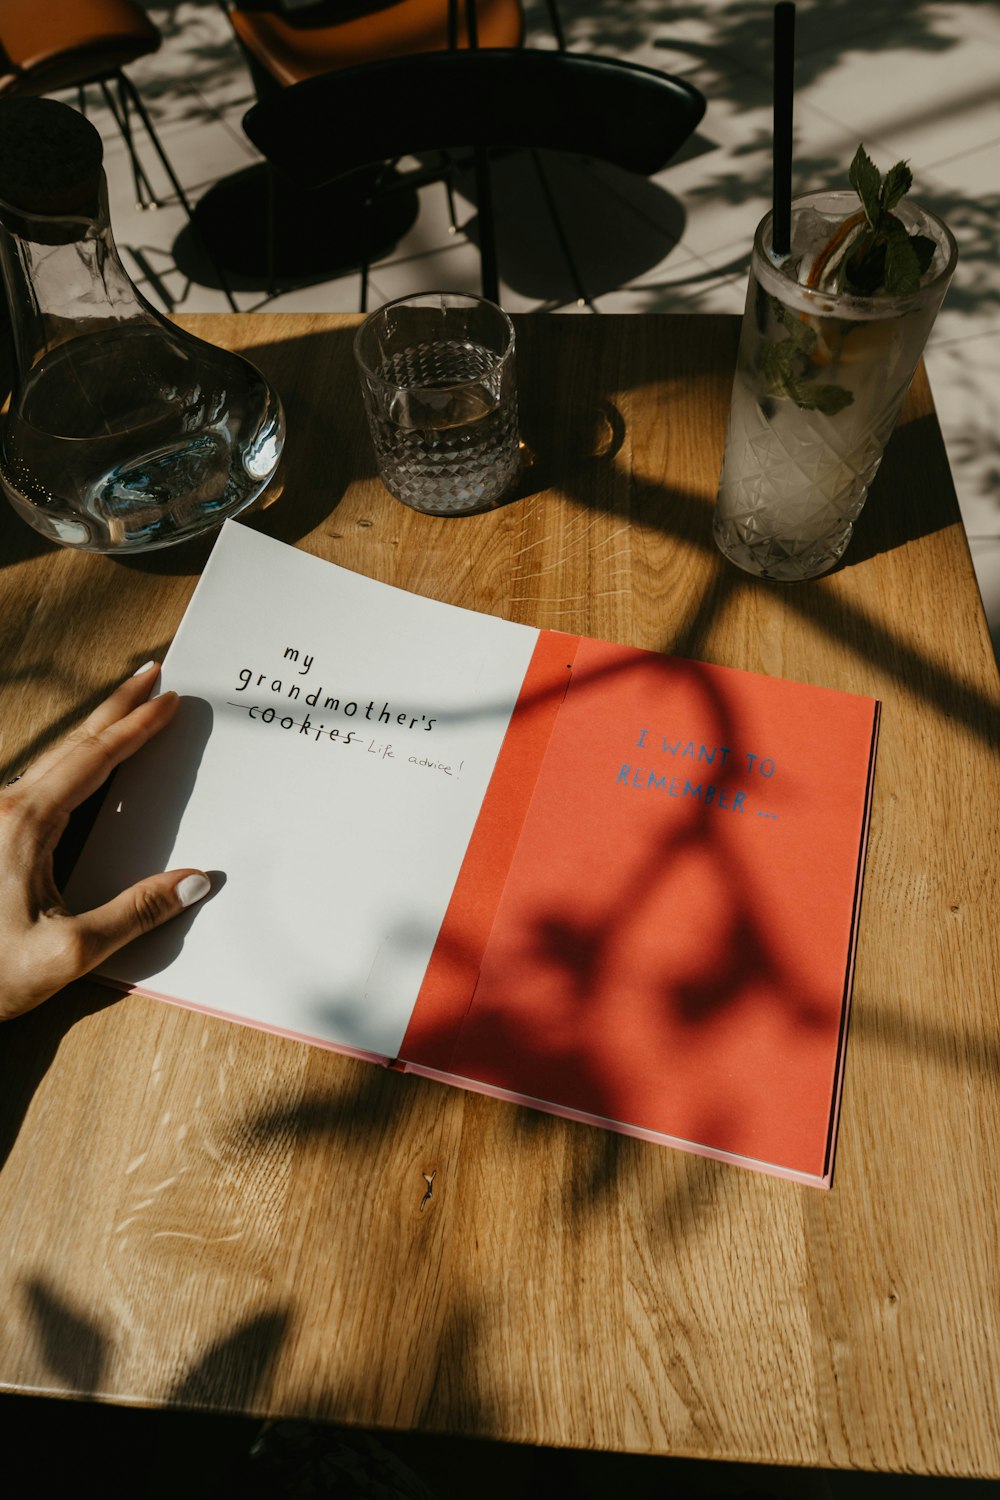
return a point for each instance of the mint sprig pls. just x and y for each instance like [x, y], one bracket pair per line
[868, 255]
[785, 365]
[885, 257]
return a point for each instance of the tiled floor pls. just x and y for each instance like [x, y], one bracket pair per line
[914, 78]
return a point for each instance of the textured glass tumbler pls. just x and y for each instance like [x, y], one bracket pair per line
[437, 374]
[820, 379]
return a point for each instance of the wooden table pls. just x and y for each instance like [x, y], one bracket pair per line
[195, 1213]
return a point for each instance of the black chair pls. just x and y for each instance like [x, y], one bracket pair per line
[341, 124]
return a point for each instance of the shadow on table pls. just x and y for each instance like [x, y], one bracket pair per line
[80, 1354]
[357, 1101]
[29, 1046]
[895, 512]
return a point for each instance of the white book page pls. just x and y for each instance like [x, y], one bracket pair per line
[327, 765]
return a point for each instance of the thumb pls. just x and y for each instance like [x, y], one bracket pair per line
[141, 908]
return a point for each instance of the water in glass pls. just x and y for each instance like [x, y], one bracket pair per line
[447, 439]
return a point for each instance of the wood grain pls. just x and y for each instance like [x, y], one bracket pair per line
[194, 1213]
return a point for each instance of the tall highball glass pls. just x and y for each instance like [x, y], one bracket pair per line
[820, 379]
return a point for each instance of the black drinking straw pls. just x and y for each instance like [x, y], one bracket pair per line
[784, 69]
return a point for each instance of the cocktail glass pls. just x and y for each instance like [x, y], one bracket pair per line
[820, 379]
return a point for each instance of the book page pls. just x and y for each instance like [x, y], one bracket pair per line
[673, 948]
[335, 740]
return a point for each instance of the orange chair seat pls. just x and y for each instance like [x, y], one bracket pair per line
[53, 44]
[318, 39]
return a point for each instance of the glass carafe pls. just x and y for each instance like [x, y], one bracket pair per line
[123, 433]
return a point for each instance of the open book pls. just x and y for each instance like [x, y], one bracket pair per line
[607, 883]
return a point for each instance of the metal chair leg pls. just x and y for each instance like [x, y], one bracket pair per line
[135, 99]
[447, 177]
[366, 232]
[487, 231]
[555, 21]
[270, 234]
[581, 295]
[144, 195]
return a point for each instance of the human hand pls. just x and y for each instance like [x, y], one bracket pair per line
[43, 946]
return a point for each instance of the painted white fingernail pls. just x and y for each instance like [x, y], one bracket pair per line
[139, 670]
[192, 888]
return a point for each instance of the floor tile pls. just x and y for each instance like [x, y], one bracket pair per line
[339, 295]
[974, 174]
[198, 72]
[986, 557]
[201, 150]
[973, 215]
[672, 38]
[431, 248]
[717, 34]
[978, 18]
[614, 227]
[173, 279]
[965, 379]
[199, 44]
[690, 286]
[452, 268]
[927, 106]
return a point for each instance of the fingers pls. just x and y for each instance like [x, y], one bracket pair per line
[89, 939]
[127, 696]
[69, 773]
[43, 947]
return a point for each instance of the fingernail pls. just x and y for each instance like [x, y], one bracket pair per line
[139, 670]
[192, 888]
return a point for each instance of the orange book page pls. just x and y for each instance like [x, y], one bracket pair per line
[672, 949]
[453, 971]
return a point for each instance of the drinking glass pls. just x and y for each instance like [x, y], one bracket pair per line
[820, 379]
[437, 375]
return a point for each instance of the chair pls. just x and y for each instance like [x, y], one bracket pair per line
[50, 45]
[631, 116]
[285, 45]
[285, 42]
